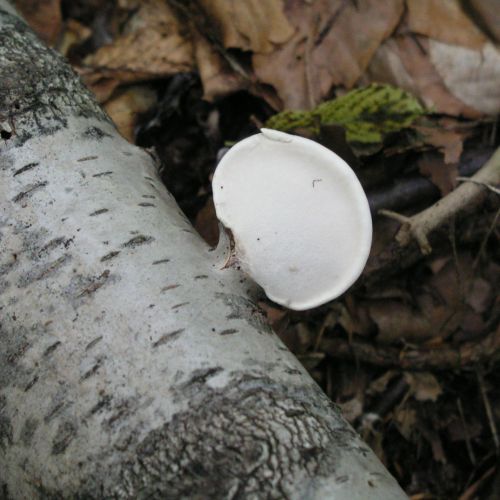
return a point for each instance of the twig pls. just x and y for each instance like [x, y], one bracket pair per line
[470, 451]
[468, 353]
[479, 183]
[487, 407]
[466, 196]
[470, 492]
[485, 240]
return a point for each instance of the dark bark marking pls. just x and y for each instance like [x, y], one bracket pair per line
[202, 375]
[169, 287]
[149, 178]
[99, 212]
[101, 174]
[293, 371]
[182, 304]
[28, 191]
[38, 90]
[201, 277]
[92, 343]
[44, 271]
[146, 204]
[92, 371]
[65, 434]
[229, 331]
[6, 432]
[110, 255]
[51, 348]
[28, 430]
[149, 196]
[162, 261]
[137, 241]
[52, 245]
[250, 438]
[102, 404]
[57, 407]
[87, 158]
[123, 409]
[27, 167]
[95, 133]
[31, 383]
[243, 308]
[13, 357]
[95, 284]
[168, 337]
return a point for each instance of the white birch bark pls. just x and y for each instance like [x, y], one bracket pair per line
[131, 366]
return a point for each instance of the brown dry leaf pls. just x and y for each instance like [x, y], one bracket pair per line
[404, 61]
[74, 33]
[442, 136]
[433, 438]
[207, 223]
[125, 107]
[351, 409]
[406, 420]
[380, 384]
[398, 321]
[329, 47]
[458, 432]
[424, 386]
[473, 76]
[250, 25]
[153, 46]
[444, 20]
[217, 77]
[486, 15]
[44, 16]
[442, 174]
[480, 295]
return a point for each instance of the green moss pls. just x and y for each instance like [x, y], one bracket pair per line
[368, 114]
[293, 120]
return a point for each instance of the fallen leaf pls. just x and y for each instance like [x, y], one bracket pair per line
[152, 45]
[486, 16]
[207, 223]
[480, 295]
[250, 25]
[406, 419]
[125, 108]
[399, 322]
[473, 76]
[328, 48]
[74, 34]
[380, 384]
[444, 137]
[217, 77]
[351, 409]
[404, 61]
[444, 20]
[44, 16]
[424, 386]
[442, 174]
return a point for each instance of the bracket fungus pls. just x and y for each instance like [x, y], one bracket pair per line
[297, 216]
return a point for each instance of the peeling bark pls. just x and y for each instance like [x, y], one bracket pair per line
[131, 365]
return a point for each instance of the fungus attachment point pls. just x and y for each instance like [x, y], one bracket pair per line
[298, 215]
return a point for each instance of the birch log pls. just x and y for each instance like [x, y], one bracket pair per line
[131, 365]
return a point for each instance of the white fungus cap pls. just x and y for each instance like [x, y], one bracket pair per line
[298, 215]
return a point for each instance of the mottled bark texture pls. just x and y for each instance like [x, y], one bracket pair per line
[131, 365]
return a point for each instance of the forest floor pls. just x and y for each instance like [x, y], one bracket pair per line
[411, 353]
